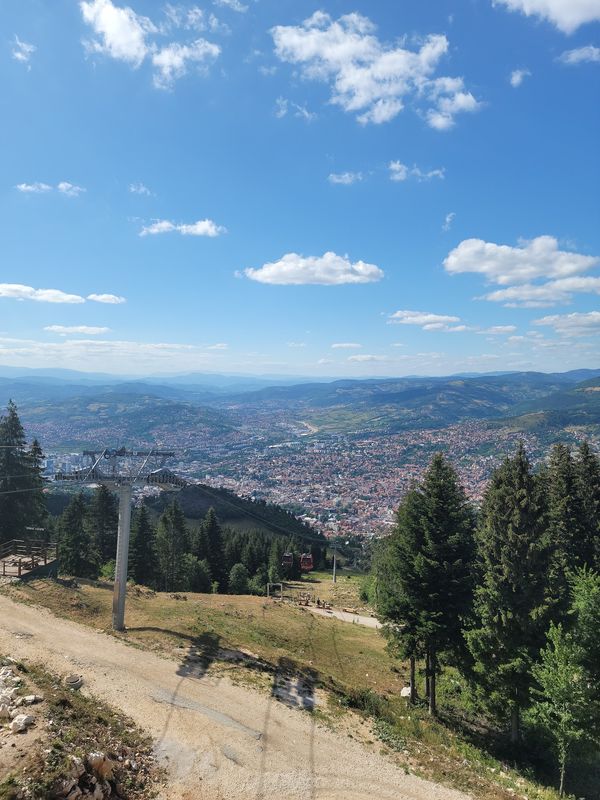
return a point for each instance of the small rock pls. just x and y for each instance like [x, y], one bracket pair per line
[21, 723]
[77, 767]
[101, 765]
[4, 711]
[74, 793]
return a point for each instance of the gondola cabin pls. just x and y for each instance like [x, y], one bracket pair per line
[287, 560]
[306, 562]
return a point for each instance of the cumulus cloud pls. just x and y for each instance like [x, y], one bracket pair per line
[120, 32]
[110, 299]
[203, 227]
[427, 321]
[171, 62]
[368, 77]
[22, 51]
[66, 330]
[346, 346]
[33, 188]
[503, 264]
[345, 178]
[124, 35]
[576, 324]
[517, 76]
[400, 172]
[542, 295]
[326, 270]
[581, 55]
[498, 330]
[64, 187]
[18, 291]
[566, 15]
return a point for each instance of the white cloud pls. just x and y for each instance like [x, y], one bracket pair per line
[65, 330]
[530, 295]
[517, 76]
[218, 346]
[498, 330]
[110, 299]
[346, 346]
[427, 321]
[283, 106]
[234, 5]
[362, 359]
[171, 62]
[33, 188]
[326, 270]
[18, 291]
[121, 32]
[296, 344]
[139, 188]
[22, 51]
[203, 227]
[448, 220]
[576, 324]
[581, 55]
[400, 172]
[345, 178]
[566, 15]
[368, 77]
[64, 187]
[503, 264]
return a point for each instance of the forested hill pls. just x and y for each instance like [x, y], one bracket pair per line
[233, 511]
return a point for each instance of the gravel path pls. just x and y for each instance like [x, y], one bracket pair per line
[221, 741]
[345, 616]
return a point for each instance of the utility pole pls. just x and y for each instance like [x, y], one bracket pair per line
[123, 481]
[334, 562]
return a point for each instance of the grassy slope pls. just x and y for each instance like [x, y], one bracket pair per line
[348, 661]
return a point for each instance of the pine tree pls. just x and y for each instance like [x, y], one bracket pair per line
[103, 518]
[565, 526]
[216, 553]
[143, 567]
[15, 477]
[425, 577]
[171, 546]
[37, 511]
[587, 470]
[564, 697]
[197, 572]
[76, 551]
[511, 610]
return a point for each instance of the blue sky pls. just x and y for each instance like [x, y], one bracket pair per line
[283, 186]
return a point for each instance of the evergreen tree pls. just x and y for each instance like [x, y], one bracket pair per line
[199, 543]
[142, 550]
[565, 526]
[238, 579]
[275, 558]
[425, 582]
[102, 520]
[37, 511]
[564, 700]
[171, 546]
[216, 554]
[587, 469]
[585, 623]
[511, 611]
[77, 555]
[15, 477]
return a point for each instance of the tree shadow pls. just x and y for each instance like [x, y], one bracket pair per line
[294, 686]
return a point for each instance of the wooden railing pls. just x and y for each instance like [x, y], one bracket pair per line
[22, 555]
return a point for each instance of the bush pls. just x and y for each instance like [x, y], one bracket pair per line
[238, 580]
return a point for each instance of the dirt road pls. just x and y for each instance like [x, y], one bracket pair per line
[345, 616]
[221, 741]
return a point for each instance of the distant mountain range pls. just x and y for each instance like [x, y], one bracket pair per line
[71, 409]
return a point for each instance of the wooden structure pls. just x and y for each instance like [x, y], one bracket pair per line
[27, 558]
